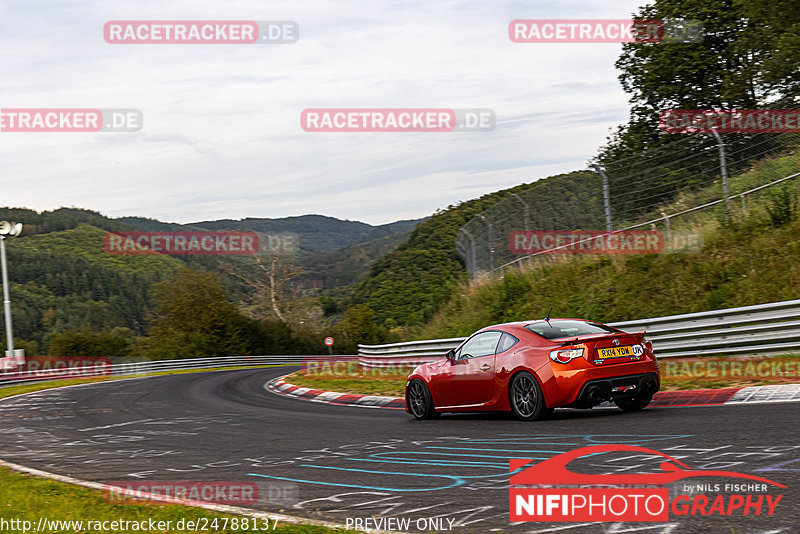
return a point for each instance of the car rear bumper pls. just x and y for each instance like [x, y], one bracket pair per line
[596, 391]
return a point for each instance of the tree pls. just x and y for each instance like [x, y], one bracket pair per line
[747, 58]
[773, 36]
[193, 318]
[269, 280]
[99, 344]
[359, 328]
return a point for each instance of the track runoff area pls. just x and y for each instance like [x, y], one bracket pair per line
[223, 440]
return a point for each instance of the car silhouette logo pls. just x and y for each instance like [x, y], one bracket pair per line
[615, 342]
[553, 471]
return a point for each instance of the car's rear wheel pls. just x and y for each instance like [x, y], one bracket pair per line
[634, 404]
[420, 402]
[527, 401]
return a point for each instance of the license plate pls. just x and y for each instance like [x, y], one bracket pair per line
[615, 352]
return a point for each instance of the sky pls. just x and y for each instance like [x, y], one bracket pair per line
[222, 137]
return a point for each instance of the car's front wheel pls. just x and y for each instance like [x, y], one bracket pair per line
[527, 401]
[634, 404]
[419, 400]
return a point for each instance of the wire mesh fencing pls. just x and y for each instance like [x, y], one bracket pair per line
[655, 185]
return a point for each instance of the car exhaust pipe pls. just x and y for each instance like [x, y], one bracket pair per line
[595, 395]
[649, 386]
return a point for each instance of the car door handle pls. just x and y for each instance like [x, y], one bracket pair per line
[486, 367]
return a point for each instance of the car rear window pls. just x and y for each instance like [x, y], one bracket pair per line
[561, 328]
[506, 342]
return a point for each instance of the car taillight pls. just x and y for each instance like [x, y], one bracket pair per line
[565, 355]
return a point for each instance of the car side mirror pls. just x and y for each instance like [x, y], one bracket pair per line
[451, 354]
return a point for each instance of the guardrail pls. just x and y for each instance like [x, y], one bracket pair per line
[153, 366]
[761, 329]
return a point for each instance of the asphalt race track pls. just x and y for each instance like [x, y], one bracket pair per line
[334, 462]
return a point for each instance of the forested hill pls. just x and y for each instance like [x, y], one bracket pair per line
[407, 285]
[316, 233]
[63, 281]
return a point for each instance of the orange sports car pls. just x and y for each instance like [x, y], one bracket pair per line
[532, 367]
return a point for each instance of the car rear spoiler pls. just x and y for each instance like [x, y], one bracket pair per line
[610, 335]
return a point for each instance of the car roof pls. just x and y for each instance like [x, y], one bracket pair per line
[523, 324]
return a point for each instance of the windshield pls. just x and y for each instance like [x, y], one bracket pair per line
[556, 329]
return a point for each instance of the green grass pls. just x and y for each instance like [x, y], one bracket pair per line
[748, 260]
[764, 171]
[717, 372]
[28, 498]
[388, 384]
[676, 374]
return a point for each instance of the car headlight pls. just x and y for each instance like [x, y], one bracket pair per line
[565, 355]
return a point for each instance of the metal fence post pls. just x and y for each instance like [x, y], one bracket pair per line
[463, 251]
[526, 211]
[471, 256]
[606, 197]
[723, 169]
[491, 240]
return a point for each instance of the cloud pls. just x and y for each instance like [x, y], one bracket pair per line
[222, 135]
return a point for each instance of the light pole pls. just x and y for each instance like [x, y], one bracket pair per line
[7, 229]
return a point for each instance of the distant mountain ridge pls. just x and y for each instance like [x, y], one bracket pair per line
[62, 279]
[316, 233]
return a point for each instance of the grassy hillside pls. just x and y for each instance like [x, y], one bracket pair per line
[424, 279]
[63, 281]
[752, 260]
[85, 242]
[316, 233]
[408, 285]
[348, 265]
[58, 220]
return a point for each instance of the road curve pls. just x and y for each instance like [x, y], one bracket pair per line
[334, 462]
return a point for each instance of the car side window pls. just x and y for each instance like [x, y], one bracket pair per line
[482, 344]
[506, 342]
